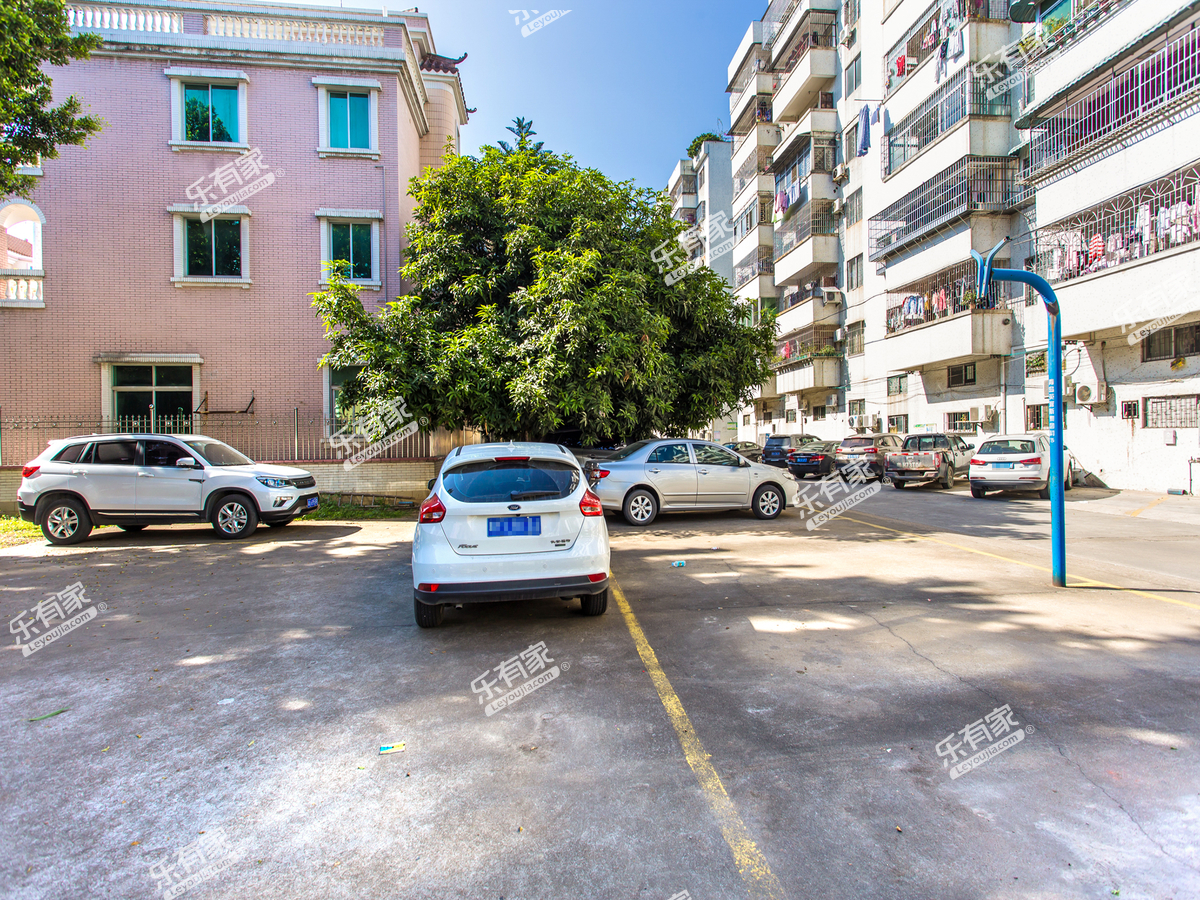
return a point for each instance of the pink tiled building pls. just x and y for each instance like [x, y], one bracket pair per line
[165, 270]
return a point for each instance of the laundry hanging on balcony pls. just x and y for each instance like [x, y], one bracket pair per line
[864, 130]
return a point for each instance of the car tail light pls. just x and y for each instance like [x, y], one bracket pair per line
[589, 504]
[819, 457]
[512, 459]
[432, 588]
[979, 462]
[1032, 461]
[29, 471]
[432, 511]
[870, 450]
[600, 473]
[599, 576]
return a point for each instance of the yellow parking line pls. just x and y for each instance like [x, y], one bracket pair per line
[1082, 582]
[756, 873]
[1150, 505]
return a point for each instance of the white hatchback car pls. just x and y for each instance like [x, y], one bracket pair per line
[1015, 462]
[135, 480]
[512, 521]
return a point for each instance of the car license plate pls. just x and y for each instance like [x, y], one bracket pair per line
[801, 459]
[312, 502]
[1003, 465]
[515, 526]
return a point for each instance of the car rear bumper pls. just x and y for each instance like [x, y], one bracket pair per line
[807, 469]
[26, 512]
[503, 591]
[873, 466]
[992, 485]
[778, 463]
[914, 474]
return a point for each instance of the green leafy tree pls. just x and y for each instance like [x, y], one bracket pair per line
[694, 146]
[537, 306]
[524, 131]
[33, 32]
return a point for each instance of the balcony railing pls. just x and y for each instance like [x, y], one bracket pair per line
[318, 31]
[1157, 216]
[814, 217]
[1064, 24]
[757, 163]
[944, 294]
[122, 18]
[974, 184]
[759, 262]
[962, 96]
[21, 285]
[1156, 88]
[819, 31]
[776, 16]
[925, 36]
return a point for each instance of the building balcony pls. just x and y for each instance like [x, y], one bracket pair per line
[814, 373]
[807, 309]
[21, 287]
[760, 237]
[816, 121]
[765, 391]
[964, 337]
[1063, 26]
[759, 83]
[761, 287]
[759, 261]
[764, 135]
[1121, 109]
[809, 75]
[974, 184]
[805, 242]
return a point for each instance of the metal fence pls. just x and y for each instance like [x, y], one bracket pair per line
[819, 29]
[1157, 216]
[973, 184]
[759, 262]
[286, 439]
[757, 163]
[814, 217]
[944, 294]
[1154, 89]
[962, 96]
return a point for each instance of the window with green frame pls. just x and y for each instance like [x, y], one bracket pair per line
[161, 392]
[214, 248]
[210, 113]
[350, 242]
[349, 120]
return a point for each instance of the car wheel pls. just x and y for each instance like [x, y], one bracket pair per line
[66, 521]
[279, 524]
[897, 484]
[131, 527]
[640, 507]
[234, 516]
[594, 604]
[428, 615]
[1044, 493]
[1069, 479]
[768, 502]
[948, 478]
[978, 493]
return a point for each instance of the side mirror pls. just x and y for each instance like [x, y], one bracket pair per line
[185, 462]
[970, 446]
[745, 464]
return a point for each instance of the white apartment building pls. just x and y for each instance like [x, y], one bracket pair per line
[701, 192]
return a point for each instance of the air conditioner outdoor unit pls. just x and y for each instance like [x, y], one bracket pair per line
[874, 421]
[854, 421]
[840, 334]
[805, 408]
[838, 207]
[848, 37]
[831, 401]
[1088, 394]
[841, 173]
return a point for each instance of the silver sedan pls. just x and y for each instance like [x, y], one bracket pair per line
[672, 475]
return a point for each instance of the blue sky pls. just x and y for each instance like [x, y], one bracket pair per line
[622, 86]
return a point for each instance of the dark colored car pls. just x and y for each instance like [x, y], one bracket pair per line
[869, 448]
[778, 445]
[812, 459]
[748, 449]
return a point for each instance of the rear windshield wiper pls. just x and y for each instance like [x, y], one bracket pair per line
[532, 495]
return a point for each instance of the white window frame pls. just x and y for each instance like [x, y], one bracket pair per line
[353, 85]
[180, 212]
[220, 77]
[329, 217]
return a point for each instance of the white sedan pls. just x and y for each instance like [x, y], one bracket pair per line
[1015, 462]
[512, 521]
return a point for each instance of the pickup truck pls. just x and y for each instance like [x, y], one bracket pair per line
[929, 457]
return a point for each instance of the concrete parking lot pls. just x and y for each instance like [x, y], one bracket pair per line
[764, 721]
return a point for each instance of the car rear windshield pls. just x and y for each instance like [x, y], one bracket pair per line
[785, 441]
[217, 454]
[627, 451]
[927, 442]
[69, 453]
[504, 481]
[991, 448]
[859, 442]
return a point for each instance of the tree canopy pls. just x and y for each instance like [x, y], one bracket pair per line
[537, 306]
[694, 146]
[33, 32]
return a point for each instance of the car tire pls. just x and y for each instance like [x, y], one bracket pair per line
[640, 507]
[948, 478]
[279, 524]
[768, 502]
[66, 521]
[234, 517]
[594, 604]
[1069, 479]
[1044, 493]
[131, 527]
[428, 615]
[978, 493]
[898, 485]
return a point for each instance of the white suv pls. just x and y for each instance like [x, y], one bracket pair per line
[135, 480]
[512, 521]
